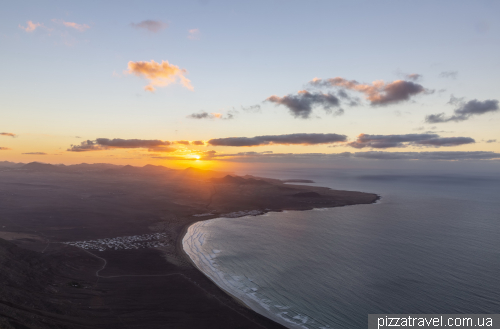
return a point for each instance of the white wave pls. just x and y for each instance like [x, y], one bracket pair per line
[240, 286]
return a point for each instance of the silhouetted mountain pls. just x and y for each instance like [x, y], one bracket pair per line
[92, 167]
[9, 164]
[156, 169]
[38, 166]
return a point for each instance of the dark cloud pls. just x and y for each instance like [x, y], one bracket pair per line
[449, 74]
[301, 105]
[388, 141]
[252, 108]
[85, 146]
[477, 155]
[204, 115]
[491, 141]
[182, 142]
[201, 115]
[229, 115]
[8, 134]
[35, 153]
[106, 143]
[131, 143]
[446, 141]
[197, 143]
[150, 25]
[409, 76]
[379, 92]
[304, 139]
[413, 76]
[465, 110]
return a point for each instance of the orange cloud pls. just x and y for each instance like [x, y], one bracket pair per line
[8, 134]
[79, 27]
[4, 148]
[194, 34]
[30, 26]
[159, 74]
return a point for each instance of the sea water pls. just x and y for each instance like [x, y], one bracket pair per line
[430, 245]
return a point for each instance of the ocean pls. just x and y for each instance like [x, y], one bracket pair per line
[430, 245]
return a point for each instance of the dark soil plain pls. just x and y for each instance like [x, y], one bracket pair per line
[47, 283]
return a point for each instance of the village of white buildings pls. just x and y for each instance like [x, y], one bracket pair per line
[151, 240]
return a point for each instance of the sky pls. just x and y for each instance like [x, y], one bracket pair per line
[222, 84]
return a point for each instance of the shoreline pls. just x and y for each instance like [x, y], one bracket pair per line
[187, 258]
[238, 300]
[189, 298]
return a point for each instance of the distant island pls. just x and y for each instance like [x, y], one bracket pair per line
[100, 246]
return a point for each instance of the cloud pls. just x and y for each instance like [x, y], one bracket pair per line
[379, 92]
[413, 76]
[301, 105]
[446, 141]
[73, 25]
[159, 74]
[131, 143]
[30, 26]
[449, 74]
[150, 25]
[202, 115]
[491, 141]
[477, 155]
[465, 110]
[182, 142]
[205, 115]
[118, 143]
[388, 141]
[35, 153]
[252, 108]
[295, 139]
[8, 134]
[456, 100]
[197, 143]
[85, 146]
[194, 34]
[4, 148]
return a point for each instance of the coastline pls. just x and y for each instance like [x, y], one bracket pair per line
[133, 286]
[235, 298]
